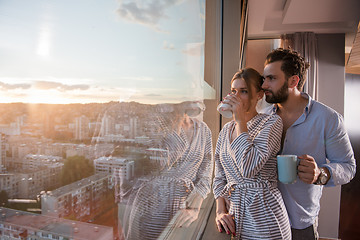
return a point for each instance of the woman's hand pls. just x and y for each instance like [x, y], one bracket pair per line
[225, 221]
[239, 112]
[191, 209]
[237, 107]
[187, 216]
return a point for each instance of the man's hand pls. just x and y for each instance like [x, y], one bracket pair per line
[308, 171]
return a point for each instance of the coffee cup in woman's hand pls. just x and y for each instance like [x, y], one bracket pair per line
[225, 110]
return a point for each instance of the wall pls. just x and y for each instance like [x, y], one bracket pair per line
[212, 72]
[331, 92]
[230, 46]
[350, 193]
[332, 70]
[256, 52]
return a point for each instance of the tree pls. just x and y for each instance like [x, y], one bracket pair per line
[76, 168]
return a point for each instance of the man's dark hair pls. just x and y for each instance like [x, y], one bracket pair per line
[292, 64]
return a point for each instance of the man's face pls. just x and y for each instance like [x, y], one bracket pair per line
[275, 83]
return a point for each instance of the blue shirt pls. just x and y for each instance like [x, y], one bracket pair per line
[320, 133]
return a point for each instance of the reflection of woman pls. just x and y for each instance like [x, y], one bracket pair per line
[183, 182]
[245, 166]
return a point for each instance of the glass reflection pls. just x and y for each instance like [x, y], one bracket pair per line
[163, 185]
[78, 131]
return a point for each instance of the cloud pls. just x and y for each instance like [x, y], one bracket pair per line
[153, 95]
[6, 86]
[168, 46]
[136, 78]
[145, 12]
[46, 85]
[194, 49]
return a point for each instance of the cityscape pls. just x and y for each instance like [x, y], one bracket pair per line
[74, 165]
[84, 110]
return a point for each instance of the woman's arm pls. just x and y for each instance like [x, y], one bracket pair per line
[250, 155]
[219, 181]
[205, 168]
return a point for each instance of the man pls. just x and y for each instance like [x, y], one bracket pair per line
[312, 131]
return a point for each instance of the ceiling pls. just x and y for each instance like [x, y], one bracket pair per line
[270, 18]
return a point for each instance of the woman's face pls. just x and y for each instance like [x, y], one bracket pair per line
[239, 88]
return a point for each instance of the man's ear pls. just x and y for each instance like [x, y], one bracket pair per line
[293, 81]
[260, 94]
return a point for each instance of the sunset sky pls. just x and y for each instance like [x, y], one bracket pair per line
[65, 51]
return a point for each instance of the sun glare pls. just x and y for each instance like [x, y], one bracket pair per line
[45, 96]
[43, 47]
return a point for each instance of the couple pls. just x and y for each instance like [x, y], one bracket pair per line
[250, 204]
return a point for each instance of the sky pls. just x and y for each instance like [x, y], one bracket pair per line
[81, 51]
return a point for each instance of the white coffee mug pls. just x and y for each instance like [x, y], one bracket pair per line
[224, 109]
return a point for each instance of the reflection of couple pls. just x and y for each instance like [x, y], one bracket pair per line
[249, 203]
[183, 179]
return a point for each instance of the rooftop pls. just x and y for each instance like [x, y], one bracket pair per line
[54, 225]
[79, 184]
[111, 159]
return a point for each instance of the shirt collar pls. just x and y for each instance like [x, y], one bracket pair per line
[307, 108]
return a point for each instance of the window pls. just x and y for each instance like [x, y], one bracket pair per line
[105, 82]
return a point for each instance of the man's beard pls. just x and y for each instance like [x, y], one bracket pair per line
[280, 96]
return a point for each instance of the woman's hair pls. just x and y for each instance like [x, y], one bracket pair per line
[251, 77]
[292, 64]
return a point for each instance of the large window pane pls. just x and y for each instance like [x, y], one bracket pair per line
[100, 51]
[102, 107]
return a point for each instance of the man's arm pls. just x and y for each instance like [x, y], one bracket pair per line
[341, 165]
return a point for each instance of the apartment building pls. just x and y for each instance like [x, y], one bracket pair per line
[28, 183]
[79, 199]
[2, 152]
[32, 182]
[34, 161]
[82, 129]
[9, 183]
[120, 168]
[16, 224]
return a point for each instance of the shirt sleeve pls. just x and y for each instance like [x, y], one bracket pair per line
[219, 182]
[203, 185]
[175, 146]
[339, 153]
[249, 154]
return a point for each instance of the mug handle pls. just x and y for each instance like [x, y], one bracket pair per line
[297, 164]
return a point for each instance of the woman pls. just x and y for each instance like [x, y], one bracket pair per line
[248, 202]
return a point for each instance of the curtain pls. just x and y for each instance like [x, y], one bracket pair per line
[305, 43]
